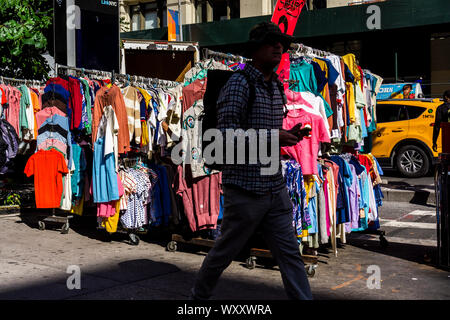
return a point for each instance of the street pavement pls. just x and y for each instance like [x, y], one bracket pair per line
[414, 190]
[393, 177]
[34, 265]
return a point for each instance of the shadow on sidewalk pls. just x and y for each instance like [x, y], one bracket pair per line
[422, 254]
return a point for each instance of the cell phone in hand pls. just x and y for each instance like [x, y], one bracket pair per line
[306, 131]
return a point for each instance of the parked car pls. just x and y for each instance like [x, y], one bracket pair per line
[404, 136]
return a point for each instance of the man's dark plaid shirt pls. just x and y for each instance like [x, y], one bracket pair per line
[266, 113]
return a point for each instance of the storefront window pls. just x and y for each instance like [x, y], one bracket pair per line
[151, 16]
[135, 18]
[218, 10]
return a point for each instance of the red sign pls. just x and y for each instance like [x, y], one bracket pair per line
[286, 14]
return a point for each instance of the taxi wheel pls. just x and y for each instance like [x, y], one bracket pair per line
[412, 161]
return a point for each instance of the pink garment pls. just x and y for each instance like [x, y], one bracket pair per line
[201, 199]
[14, 109]
[284, 70]
[296, 98]
[193, 92]
[62, 147]
[46, 113]
[306, 151]
[106, 210]
[327, 208]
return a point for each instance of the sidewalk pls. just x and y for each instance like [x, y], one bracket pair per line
[418, 191]
[33, 265]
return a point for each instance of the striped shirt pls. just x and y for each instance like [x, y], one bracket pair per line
[129, 185]
[133, 107]
[266, 113]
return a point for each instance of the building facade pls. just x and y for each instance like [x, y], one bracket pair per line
[151, 14]
[401, 40]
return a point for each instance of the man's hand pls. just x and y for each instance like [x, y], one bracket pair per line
[296, 130]
[288, 139]
[435, 147]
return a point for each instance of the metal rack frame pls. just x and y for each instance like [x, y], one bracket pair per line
[297, 48]
[119, 76]
[207, 53]
[23, 81]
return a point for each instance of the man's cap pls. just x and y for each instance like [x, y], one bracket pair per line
[267, 32]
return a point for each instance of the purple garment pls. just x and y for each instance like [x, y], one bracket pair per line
[353, 199]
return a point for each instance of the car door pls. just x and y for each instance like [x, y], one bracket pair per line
[419, 125]
[392, 127]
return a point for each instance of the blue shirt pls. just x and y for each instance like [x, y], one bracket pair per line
[345, 181]
[104, 176]
[161, 204]
[58, 89]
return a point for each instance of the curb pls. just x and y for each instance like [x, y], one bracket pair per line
[422, 196]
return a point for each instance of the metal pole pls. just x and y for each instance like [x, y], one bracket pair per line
[54, 40]
[180, 23]
[396, 67]
[71, 38]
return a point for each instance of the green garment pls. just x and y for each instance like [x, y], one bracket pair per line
[304, 73]
[24, 102]
[87, 95]
[328, 110]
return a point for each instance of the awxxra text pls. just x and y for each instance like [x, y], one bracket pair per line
[258, 309]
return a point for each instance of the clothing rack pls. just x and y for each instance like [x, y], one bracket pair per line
[21, 81]
[119, 76]
[148, 81]
[207, 53]
[301, 48]
[83, 71]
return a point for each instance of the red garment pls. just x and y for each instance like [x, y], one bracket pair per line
[60, 81]
[76, 100]
[366, 162]
[3, 101]
[284, 69]
[47, 166]
[193, 92]
[362, 77]
[201, 199]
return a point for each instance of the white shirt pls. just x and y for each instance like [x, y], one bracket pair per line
[109, 129]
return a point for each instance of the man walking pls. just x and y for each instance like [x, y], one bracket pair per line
[252, 199]
[442, 115]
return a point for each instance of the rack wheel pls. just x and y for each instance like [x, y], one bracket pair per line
[383, 242]
[41, 225]
[172, 246]
[134, 239]
[250, 263]
[65, 228]
[311, 271]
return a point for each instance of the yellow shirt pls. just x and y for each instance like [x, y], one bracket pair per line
[350, 61]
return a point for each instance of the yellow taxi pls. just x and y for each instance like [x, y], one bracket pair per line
[404, 136]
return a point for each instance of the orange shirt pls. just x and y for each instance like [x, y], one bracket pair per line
[36, 108]
[112, 97]
[47, 166]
